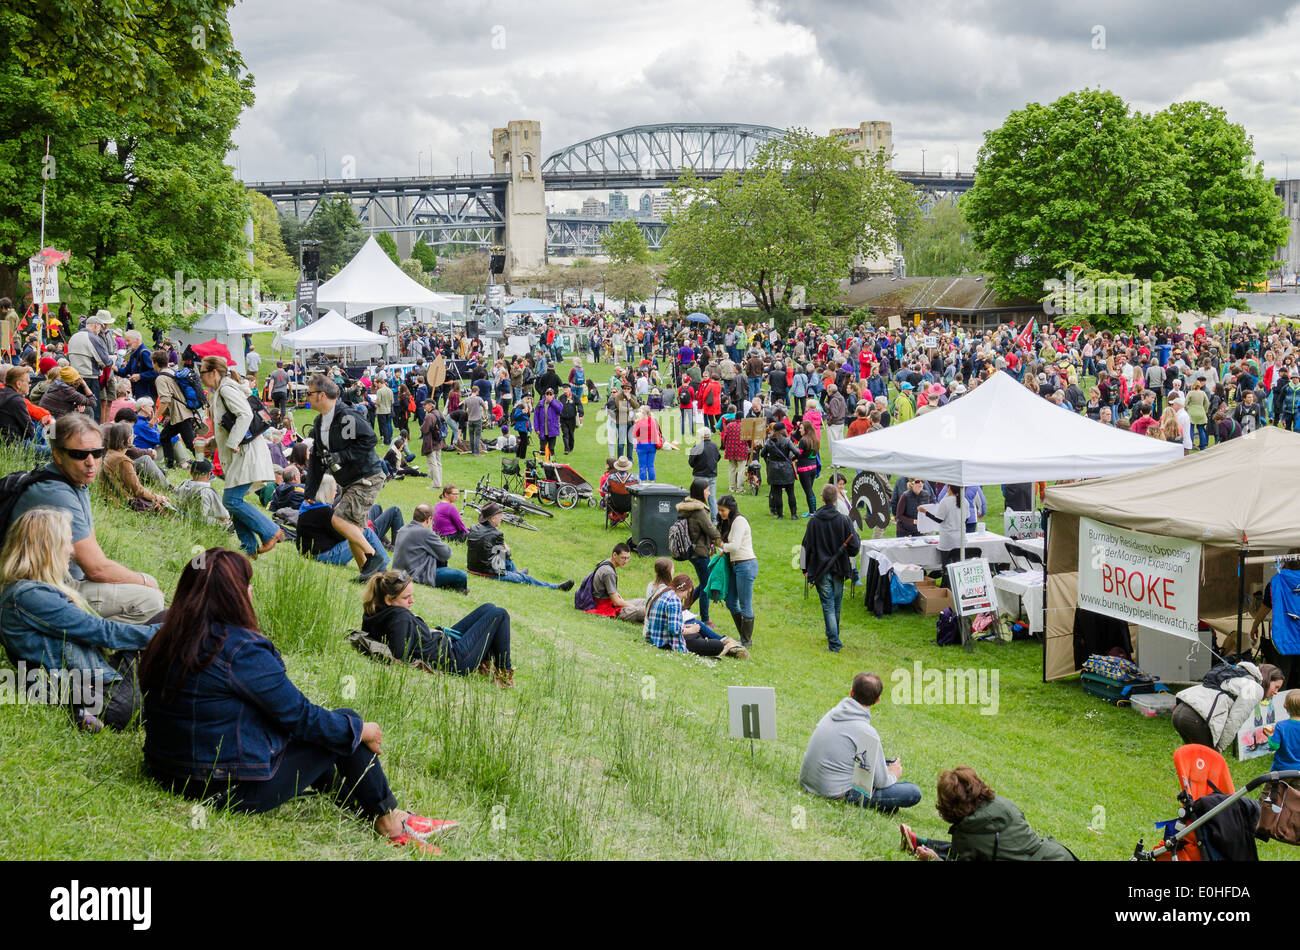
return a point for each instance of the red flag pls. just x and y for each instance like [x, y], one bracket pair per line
[1026, 337]
[1074, 334]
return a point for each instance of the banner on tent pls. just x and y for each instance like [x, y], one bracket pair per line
[304, 299]
[1018, 525]
[1142, 578]
[869, 500]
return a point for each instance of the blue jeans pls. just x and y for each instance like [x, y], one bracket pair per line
[688, 421]
[755, 384]
[251, 526]
[482, 635]
[387, 523]
[645, 458]
[1201, 435]
[341, 554]
[830, 591]
[741, 599]
[889, 800]
[701, 565]
[451, 579]
[386, 427]
[713, 498]
[513, 575]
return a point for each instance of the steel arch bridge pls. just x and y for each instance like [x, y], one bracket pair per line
[651, 151]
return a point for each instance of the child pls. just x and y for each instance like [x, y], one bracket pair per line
[1285, 740]
[198, 488]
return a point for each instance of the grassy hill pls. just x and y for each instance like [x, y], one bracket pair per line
[607, 748]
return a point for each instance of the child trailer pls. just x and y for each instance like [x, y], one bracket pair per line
[556, 483]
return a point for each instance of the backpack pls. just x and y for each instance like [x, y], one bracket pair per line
[260, 422]
[584, 598]
[1220, 674]
[680, 545]
[195, 397]
[947, 629]
[13, 485]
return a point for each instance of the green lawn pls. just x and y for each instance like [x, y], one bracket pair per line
[607, 748]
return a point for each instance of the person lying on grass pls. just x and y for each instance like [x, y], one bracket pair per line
[480, 640]
[44, 621]
[223, 719]
[666, 624]
[985, 826]
[488, 554]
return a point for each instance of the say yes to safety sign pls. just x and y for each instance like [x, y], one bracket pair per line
[1143, 578]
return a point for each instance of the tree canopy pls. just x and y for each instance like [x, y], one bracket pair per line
[797, 218]
[938, 243]
[1086, 179]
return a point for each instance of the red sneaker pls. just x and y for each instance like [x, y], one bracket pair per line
[402, 840]
[417, 826]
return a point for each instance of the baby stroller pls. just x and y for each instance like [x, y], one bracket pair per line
[1216, 823]
[556, 483]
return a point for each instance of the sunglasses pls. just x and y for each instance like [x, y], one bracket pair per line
[82, 454]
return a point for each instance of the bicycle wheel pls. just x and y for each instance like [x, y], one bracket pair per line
[518, 503]
[566, 496]
[518, 522]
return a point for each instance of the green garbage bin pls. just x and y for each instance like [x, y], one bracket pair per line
[654, 509]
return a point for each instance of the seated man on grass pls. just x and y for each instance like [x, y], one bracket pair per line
[421, 553]
[844, 741]
[605, 600]
[489, 555]
[317, 536]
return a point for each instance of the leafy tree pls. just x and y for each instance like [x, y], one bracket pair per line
[938, 243]
[425, 255]
[1111, 301]
[625, 243]
[415, 270]
[466, 274]
[386, 241]
[1086, 180]
[805, 209]
[335, 225]
[268, 242]
[628, 282]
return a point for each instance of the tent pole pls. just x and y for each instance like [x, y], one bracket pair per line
[1241, 591]
[1047, 521]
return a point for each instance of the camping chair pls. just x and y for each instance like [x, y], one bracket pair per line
[1023, 559]
[618, 503]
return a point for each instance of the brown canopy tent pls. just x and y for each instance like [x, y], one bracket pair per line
[1240, 500]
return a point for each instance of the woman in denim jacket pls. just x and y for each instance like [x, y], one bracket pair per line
[44, 621]
[222, 717]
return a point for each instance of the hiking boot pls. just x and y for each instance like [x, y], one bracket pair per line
[747, 632]
[567, 585]
[485, 668]
[374, 564]
[504, 678]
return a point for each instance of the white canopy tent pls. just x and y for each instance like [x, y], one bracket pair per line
[225, 325]
[334, 333]
[372, 282]
[1001, 433]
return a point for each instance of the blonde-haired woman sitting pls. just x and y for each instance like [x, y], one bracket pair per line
[43, 620]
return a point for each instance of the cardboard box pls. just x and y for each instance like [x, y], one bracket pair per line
[931, 600]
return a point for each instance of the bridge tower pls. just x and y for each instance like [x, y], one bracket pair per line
[517, 152]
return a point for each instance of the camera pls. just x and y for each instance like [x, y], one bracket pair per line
[333, 461]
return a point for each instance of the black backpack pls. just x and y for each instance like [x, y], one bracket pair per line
[947, 628]
[260, 422]
[13, 485]
[680, 545]
[1220, 674]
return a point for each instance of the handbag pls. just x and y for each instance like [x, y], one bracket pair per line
[1279, 813]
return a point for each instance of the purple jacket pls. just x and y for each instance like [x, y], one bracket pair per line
[546, 418]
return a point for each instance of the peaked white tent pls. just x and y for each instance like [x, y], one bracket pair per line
[530, 305]
[225, 325]
[1000, 433]
[371, 281]
[334, 332]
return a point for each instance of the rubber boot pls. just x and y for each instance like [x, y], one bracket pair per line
[738, 620]
[747, 632]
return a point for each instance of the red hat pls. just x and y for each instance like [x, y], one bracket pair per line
[46, 364]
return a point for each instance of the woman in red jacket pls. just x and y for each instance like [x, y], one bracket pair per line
[649, 440]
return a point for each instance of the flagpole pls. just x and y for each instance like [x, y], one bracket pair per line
[40, 324]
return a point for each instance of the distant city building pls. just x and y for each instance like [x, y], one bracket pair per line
[1288, 257]
[593, 206]
[646, 202]
[618, 204]
[659, 204]
[868, 137]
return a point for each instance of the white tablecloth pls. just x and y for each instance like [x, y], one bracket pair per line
[1020, 593]
[923, 551]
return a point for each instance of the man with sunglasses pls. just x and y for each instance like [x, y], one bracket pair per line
[113, 591]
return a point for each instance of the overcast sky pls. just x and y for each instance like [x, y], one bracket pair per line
[393, 83]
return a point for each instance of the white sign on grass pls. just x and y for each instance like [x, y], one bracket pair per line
[753, 711]
[972, 587]
[1143, 578]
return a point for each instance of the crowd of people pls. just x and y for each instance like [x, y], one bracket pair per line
[100, 404]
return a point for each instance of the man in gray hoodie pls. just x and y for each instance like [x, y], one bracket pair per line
[424, 555]
[845, 740]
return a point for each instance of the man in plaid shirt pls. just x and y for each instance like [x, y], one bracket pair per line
[736, 451]
[663, 626]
